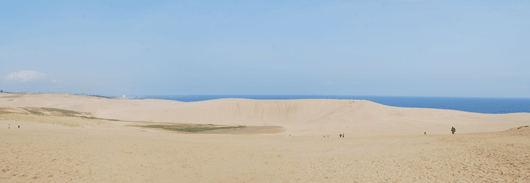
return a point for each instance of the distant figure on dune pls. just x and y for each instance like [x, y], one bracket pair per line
[453, 129]
[8, 126]
[340, 135]
[18, 126]
[424, 133]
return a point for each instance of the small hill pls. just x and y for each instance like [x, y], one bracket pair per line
[301, 117]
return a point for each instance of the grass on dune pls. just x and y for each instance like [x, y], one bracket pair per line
[53, 112]
[50, 116]
[64, 121]
[4, 112]
[191, 128]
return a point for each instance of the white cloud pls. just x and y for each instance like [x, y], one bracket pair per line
[25, 76]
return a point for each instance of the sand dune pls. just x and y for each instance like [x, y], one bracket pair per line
[51, 153]
[382, 144]
[303, 117]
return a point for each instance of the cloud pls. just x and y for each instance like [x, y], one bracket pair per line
[25, 76]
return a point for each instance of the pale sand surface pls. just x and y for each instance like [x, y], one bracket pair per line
[301, 117]
[382, 144]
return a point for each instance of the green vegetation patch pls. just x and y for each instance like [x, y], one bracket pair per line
[95, 118]
[63, 112]
[34, 111]
[53, 112]
[4, 112]
[191, 128]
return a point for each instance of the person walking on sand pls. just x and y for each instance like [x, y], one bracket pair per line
[453, 129]
[8, 126]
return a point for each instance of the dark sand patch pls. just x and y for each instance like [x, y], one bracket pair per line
[50, 116]
[520, 128]
[213, 129]
[248, 130]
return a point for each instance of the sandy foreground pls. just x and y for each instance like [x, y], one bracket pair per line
[382, 143]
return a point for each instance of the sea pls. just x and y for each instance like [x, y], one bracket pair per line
[476, 105]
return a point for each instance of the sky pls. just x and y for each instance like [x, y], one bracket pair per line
[376, 48]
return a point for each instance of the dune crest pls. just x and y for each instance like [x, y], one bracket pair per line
[303, 117]
[71, 138]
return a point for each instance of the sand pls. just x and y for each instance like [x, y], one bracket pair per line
[381, 144]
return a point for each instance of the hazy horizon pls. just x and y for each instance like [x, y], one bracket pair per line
[358, 48]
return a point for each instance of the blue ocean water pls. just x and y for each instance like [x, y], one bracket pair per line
[477, 105]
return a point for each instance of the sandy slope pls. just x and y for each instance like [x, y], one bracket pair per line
[51, 153]
[301, 117]
[382, 144]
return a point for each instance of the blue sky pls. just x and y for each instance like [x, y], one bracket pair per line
[390, 48]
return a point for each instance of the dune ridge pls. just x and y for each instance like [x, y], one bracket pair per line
[69, 138]
[303, 117]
